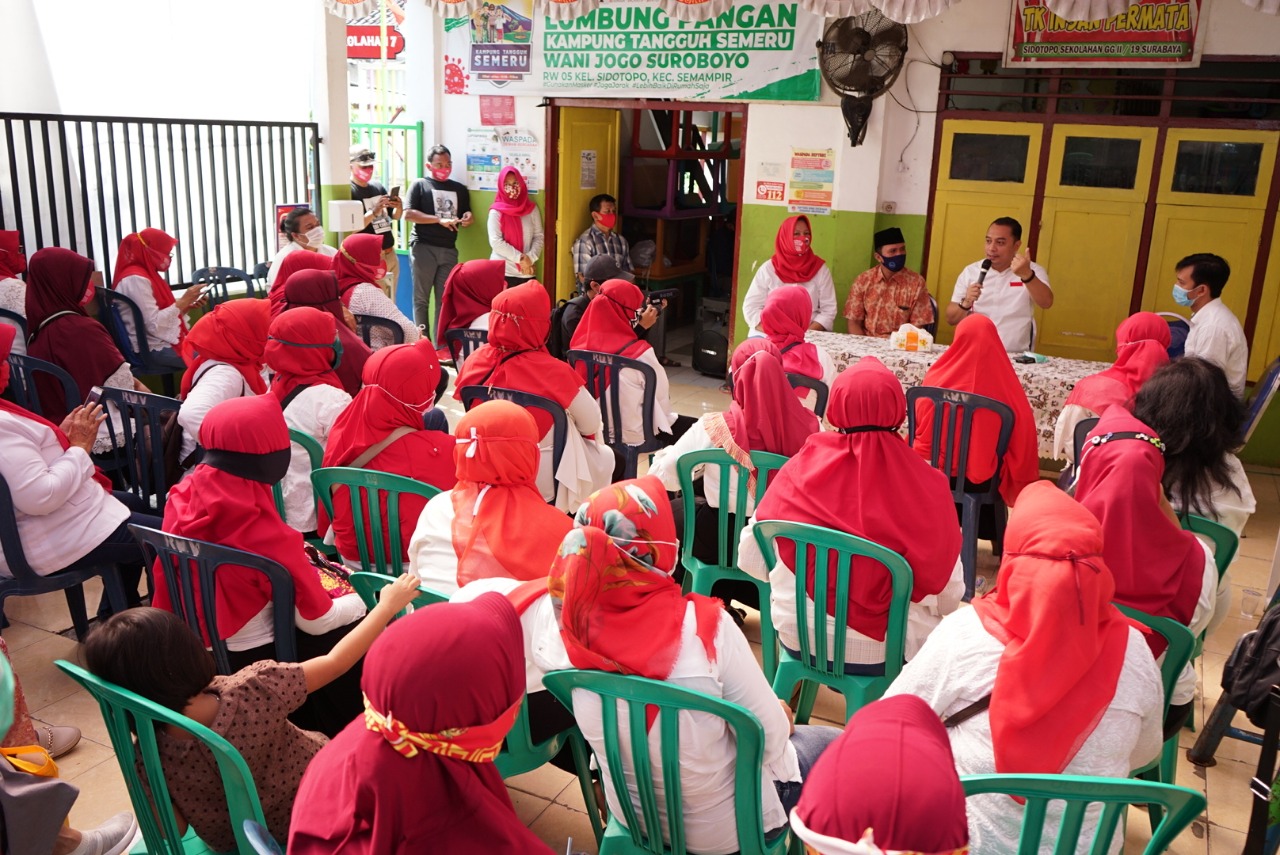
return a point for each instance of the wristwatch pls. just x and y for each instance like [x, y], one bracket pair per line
[968, 308]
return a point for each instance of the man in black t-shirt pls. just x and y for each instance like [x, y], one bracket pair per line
[379, 210]
[437, 207]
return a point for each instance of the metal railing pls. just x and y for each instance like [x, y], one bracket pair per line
[84, 182]
[400, 160]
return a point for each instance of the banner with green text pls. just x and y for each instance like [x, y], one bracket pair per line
[761, 51]
[1149, 34]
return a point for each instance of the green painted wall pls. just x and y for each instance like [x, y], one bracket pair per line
[843, 239]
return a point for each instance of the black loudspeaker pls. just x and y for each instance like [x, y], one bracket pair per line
[711, 342]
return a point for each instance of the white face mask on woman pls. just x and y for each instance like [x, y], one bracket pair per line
[314, 237]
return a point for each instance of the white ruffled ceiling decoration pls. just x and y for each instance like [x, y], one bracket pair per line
[914, 11]
[1087, 10]
[352, 9]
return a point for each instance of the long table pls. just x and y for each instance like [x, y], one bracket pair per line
[1047, 384]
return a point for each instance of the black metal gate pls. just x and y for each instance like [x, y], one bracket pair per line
[84, 182]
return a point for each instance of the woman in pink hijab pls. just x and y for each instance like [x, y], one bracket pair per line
[515, 227]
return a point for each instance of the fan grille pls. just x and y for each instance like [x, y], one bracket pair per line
[862, 55]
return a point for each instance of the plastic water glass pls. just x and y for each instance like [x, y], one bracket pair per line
[1250, 599]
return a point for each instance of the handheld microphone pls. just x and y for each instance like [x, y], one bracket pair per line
[986, 265]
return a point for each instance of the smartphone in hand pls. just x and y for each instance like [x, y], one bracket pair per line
[395, 192]
[94, 396]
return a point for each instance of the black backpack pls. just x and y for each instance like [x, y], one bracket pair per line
[556, 345]
[1253, 668]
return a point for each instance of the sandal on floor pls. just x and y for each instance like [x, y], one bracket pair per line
[668, 363]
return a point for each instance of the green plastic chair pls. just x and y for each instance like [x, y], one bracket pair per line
[1225, 543]
[127, 714]
[6, 696]
[816, 664]
[315, 454]
[368, 586]
[1179, 805]
[366, 490]
[1176, 656]
[701, 577]
[638, 832]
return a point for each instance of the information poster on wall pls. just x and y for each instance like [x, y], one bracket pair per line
[634, 48]
[1149, 34]
[489, 150]
[812, 181]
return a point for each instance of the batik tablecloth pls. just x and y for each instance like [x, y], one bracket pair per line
[1047, 384]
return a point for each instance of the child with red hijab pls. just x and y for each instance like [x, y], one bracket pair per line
[13, 291]
[793, 263]
[140, 265]
[1142, 347]
[785, 321]
[1072, 687]
[360, 266]
[319, 289]
[468, 297]
[515, 227]
[400, 384]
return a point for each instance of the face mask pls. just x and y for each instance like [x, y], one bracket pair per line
[801, 244]
[164, 265]
[89, 293]
[894, 263]
[1182, 297]
[608, 221]
[364, 173]
[315, 236]
[441, 174]
[512, 191]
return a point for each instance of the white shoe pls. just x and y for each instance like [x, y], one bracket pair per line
[57, 739]
[113, 837]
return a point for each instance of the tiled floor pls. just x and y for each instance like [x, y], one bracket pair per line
[549, 801]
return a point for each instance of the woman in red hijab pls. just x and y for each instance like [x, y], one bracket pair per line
[839, 480]
[140, 265]
[516, 357]
[888, 784]
[415, 773]
[494, 522]
[783, 321]
[977, 362]
[224, 361]
[295, 262]
[359, 266]
[227, 499]
[303, 351]
[620, 611]
[468, 297]
[793, 263]
[399, 387]
[1072, 687]
[1158, 568]
[515, 227]
[1142, 346]
[319, 289]
[13, 291]
[59, 284]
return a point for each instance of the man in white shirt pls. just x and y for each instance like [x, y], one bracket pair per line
[1216, 334]
[1009, 293]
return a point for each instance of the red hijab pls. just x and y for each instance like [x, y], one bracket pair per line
[12, 261]
[469, 293]
[319, 289]
[294, 262]
[501, 525]
[890, 775]
[606, 325]
[1158, 567]
[516, 356]
[59, 330]
[785, 320]
[1142, 346]
[359, 261]
[511, 210]
[977, 362]
[302, 346]
[791, 266]
[215, 505]
[619, 608]
[415, 773]
[235, 333]
[146, 254]
[1064, 642]
[838, 480]
[7, 336]
[764, 415]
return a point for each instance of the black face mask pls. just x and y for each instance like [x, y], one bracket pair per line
[266, 468]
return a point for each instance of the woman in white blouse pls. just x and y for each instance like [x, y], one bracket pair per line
[13, 291]
[304, 233]
[359, 266]
[139, 276]
[515, 227]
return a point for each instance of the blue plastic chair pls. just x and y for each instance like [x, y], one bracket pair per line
[23, 581]
[140, 452]
[22, 382]
[604, 371]
[191, 565]
[472, 395]
[1262, 395]
[462, 343]
[1179, 329]
[947, 405]
[368, 323]
[135, 349]
[218, 279]
[820, 388]
[17, 320]
[1071, 472]
[932, 329]
[260, 271]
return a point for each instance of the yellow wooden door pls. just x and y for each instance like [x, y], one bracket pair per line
[588, 165]
[986, 170]
[1266, 334]
[1096, 187]
[1213, 192]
